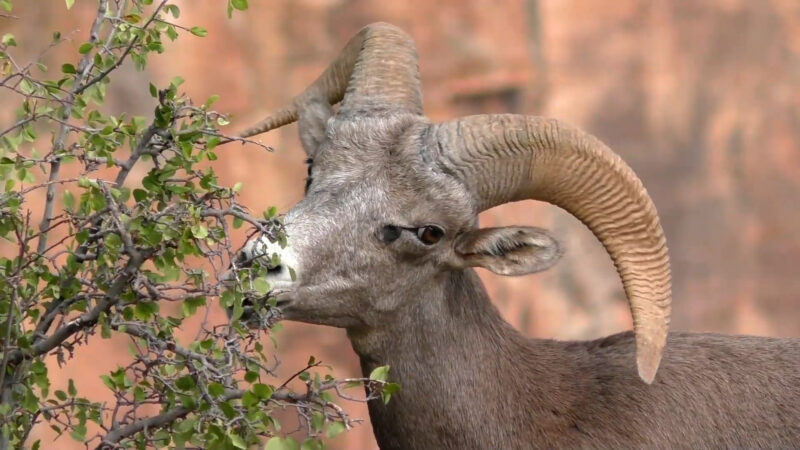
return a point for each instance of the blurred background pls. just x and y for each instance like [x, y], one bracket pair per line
[702, 99]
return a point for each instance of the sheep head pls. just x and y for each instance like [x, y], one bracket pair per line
[393, 198]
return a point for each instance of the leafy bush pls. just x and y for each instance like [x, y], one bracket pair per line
[109, 256]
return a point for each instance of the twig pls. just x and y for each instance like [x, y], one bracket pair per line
[142, 333]
[297, 374]
[90, 317]
[225, 139]
[141, 148]
[58, 144]
[17, 125]
[158, 421]
[14, 278]
[125, 53]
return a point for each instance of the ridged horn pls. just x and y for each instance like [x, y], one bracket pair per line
[376, 71]
[505, 158]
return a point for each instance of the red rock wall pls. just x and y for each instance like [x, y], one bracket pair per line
[701, 98]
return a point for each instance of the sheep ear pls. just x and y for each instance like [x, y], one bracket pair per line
[312, 122]
[508, 250]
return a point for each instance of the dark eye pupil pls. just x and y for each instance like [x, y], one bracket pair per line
[430, 234]
[389, 233]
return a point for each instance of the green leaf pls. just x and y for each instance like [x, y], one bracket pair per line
[171, 33]
[199, 231]
[139, 394]
[277, 443]
[317, 420]
[237, 222]
[312, 444]
[69, 200]
[8, 39]
[335, 429]
[216, 389]
[211, 101]
[145, 310]
[71, 388]
[68, 68]
[61, 395]
[78, 431]
[261, 285]
[153, 91]
[213, 141]
[85, 48]
[241, 5]
[237, 441]
[380, 373]
[38, 368]
[388, 390]
[139, 195]
[249, 399]
[69, 6]
[185, 383]
[198, 31]
[26, 86]
[174, 10]
[190, 305]
[262, 390]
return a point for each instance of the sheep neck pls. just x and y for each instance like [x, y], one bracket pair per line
[442, 349]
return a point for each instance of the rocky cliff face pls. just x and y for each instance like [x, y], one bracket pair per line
[701, 98]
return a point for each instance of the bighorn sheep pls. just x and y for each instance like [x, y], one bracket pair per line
[385, 239]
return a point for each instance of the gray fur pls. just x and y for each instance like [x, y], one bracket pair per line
[469, 380]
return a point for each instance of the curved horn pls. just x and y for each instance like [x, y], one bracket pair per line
[504, 158]
[376, 71]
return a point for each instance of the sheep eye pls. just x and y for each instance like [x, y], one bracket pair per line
[389, 234]
[430, 234]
